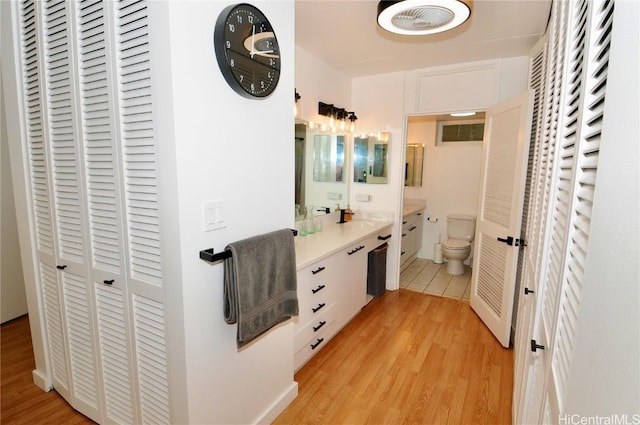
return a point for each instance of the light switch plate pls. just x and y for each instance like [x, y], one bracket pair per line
[213, 215]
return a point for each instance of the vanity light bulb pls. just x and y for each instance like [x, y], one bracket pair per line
[312, 124]
[295, 109]
[323, 127]
[331, 122]
[342, 125]
[352, 128]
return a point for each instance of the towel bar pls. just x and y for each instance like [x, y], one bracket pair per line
[209, 256]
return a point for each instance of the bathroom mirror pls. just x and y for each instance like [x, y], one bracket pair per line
[371, 158]
[320, 174]
[414, 160]
[328, 158]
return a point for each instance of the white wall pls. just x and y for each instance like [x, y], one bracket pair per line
[316, 82]
[378, 102]
[605, 373]
[239, 151]
[449, 182]
[13, 298]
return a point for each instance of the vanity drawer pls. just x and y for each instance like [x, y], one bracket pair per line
[307, 331]
[310, 303]
[312, 346]
[322, 270]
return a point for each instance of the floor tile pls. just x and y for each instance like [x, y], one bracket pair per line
[425, 276]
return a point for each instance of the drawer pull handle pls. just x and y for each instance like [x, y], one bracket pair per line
[402, 253]
[356, 249]
[412, 228]
[108, 282]
[318, 270]
[316, 309]
[319, 288]
[318, 342]
[61, 267]
[320, 324]
[404, 234]
[383, 238]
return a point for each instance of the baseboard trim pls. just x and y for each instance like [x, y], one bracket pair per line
[279, 405]
[41, 380]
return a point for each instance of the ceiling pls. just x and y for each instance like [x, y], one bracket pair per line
[345, 35]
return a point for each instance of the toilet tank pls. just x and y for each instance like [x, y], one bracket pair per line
[461, 227]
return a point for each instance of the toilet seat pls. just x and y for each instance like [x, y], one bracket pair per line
[456, 245]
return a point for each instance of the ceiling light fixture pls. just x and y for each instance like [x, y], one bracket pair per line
[421, 17]
[462, 114]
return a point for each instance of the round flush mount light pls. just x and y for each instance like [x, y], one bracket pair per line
[421, 17]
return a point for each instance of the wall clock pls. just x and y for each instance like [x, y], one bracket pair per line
[247, 51]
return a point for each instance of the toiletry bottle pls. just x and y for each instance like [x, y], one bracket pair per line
[348, 213]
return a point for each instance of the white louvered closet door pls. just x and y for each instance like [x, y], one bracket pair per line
[69, 203]
[533, 375]
[590, 25]
[97, 94]
[528, 287]
[91, 146]
[578, 57]
[140, 201]
[41, 200]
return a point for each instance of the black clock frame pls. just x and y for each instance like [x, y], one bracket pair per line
[238, 66]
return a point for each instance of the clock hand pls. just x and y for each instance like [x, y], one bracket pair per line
[253, 36]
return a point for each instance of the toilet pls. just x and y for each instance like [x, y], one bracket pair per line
[460, 231]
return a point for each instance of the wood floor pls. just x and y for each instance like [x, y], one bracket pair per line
[407, 358]
[21, 401]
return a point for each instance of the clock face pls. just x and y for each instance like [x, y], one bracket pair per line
[247, 51]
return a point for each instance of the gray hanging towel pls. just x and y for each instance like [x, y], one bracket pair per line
[260, 286]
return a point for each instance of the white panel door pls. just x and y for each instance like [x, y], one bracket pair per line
[504, 166]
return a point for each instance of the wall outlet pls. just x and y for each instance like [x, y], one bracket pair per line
[363, 198]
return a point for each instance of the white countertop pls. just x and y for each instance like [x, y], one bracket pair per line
[408, 209]
[333, 238]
